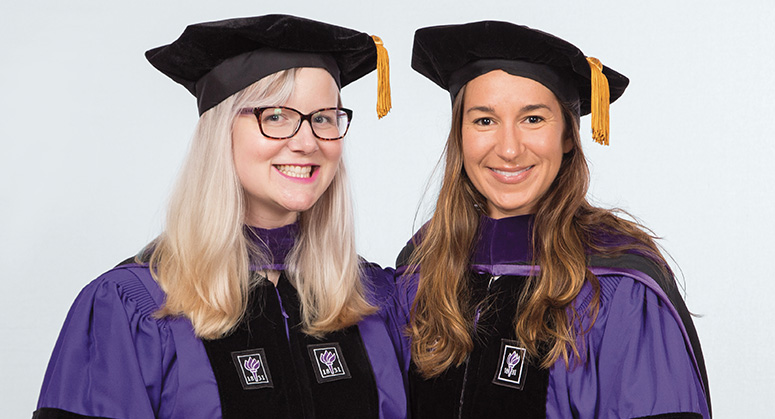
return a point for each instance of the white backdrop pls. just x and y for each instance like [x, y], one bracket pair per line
[92, 137]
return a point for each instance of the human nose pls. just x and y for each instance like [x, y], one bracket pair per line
[304, 140]
[510, 143]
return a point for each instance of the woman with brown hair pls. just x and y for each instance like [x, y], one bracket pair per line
[521, 298]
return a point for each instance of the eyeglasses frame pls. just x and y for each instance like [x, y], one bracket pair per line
[304, 117]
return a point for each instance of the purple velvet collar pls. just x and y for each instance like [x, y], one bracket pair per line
[506, 240]
[275, 243]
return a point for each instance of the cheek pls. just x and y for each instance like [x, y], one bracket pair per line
[559, 150]
[240, 153]
[242, 145]
[252, 153]
[473, 149]
[552, 147]
[332, 150]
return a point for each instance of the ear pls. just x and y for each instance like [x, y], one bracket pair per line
[567, 145]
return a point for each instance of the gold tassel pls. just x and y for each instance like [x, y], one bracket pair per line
[601, 100]
[383, 78]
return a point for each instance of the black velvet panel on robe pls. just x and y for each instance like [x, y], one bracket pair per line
[468, 391]
[294, 391]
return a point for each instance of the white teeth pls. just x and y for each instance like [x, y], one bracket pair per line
[295, 171]
[509, 174]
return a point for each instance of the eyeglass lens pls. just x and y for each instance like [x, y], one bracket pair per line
[280, 122]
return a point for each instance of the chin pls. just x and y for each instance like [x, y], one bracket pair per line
[299, 206]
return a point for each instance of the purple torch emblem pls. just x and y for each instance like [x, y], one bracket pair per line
[511, 362]
[328, 358]
[251, 364]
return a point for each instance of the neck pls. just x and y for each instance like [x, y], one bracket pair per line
[271, 220]
[273, 276]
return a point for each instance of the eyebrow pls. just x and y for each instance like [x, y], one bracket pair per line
[480, 109]
[526, 108]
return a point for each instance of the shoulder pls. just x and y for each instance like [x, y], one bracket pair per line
[627, 297]
[630, 280]
[405, 255]
[380, 282]
[109, 332]
[641, 302]
[116, 309]
[629, 263]
[129, 286]
[407, 280]
[639, 333]
[639, 275]
[617, 290]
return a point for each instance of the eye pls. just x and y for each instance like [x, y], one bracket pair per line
[321, 119]
[327, 117]
[534, 119]
[483, 121]
[274, 116]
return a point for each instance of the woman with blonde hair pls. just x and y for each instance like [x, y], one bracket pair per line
[252, 302]
[521, 298]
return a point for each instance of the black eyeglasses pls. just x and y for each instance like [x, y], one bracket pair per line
[281, 122]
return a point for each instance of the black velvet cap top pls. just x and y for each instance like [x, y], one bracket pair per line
[453, 55]
[214, 60]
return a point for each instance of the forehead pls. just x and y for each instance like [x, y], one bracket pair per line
[498, 88]
[315, 75]
[313, 84]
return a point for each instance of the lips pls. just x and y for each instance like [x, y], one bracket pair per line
[301, 172]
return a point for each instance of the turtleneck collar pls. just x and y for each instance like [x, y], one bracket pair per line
[506, 240]
[275, 243]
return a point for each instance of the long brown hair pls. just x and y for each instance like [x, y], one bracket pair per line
[566, 227]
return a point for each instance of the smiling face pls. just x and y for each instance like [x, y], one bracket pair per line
[512, 141]
[284, 177]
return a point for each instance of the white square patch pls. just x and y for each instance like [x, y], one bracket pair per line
[252, 368]
[512, 368]
[328, 362]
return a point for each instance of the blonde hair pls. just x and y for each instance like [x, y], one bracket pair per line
[202, 258]
[566, 226]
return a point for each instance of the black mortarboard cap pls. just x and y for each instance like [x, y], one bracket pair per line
[214, 60]
[453, 55]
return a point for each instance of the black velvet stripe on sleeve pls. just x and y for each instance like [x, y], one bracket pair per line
[677, 415]
[52, 413]
[669, 286]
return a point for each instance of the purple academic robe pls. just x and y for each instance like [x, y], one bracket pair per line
[637, 359]
[114, 359]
